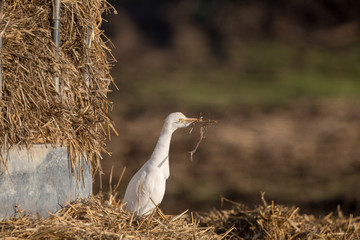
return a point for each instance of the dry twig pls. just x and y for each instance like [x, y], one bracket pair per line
[203, 124]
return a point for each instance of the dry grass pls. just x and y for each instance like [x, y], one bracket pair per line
[271, 222]
[100, 219]
[32, 110]
[103, 217]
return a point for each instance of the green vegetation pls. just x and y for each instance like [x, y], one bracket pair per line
[266, 74]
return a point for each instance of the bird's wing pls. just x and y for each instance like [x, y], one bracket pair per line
[148, 187]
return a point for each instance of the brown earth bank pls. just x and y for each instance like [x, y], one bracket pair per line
[305, 154]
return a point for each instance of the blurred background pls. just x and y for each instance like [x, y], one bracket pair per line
[282, 77]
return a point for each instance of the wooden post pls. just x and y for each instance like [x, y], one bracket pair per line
[1, 45]
[56, 39]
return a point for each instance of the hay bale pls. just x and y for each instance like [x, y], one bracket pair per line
[31, 109]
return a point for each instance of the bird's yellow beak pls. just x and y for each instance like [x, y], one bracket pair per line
[188, 120]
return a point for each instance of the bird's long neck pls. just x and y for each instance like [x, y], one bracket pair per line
[160, 156]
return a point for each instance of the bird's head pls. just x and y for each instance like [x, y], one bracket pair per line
[178, 120]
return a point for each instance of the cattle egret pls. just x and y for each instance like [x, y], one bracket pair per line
[146, 189]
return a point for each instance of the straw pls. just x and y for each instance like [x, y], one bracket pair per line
[31, 110]
[271, 221]
[104, 217]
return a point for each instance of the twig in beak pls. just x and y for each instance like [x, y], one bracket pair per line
[202, 136]
[203, 125]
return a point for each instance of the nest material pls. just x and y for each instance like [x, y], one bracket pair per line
[32, 110]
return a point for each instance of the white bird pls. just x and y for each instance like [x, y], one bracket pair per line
[146, 189]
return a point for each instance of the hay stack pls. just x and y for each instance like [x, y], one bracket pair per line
[273, 222]
[103, 217]
[32, 109]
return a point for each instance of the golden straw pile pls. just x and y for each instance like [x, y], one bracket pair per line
[32, 109]
[103, 217]
[273, 222]
[100, 219]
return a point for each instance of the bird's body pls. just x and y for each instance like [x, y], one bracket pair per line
[146, 189]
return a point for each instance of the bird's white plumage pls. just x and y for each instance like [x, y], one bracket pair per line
[146, 189]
